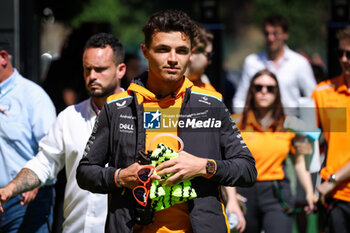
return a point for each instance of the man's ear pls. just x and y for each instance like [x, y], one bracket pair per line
[286, 35]
[121, 69]
[4, 58]
[144, 50]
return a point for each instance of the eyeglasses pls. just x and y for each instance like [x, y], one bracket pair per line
[270, 88]
[340, 53]
[141, 192]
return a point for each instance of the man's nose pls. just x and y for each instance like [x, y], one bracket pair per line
[270, 37]
[93, 74]
[172, 58]
[344, 57]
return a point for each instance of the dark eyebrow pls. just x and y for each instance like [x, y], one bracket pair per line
[162, 46]
[167, 46]
[95, 67]
[183, 47]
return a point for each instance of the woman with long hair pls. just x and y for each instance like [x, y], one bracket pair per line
[270, 202]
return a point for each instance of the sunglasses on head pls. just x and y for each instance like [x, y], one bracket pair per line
[270, 88]
[340, 53]
[141, 192]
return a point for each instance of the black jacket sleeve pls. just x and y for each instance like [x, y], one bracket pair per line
[92, 173]
[237, 168]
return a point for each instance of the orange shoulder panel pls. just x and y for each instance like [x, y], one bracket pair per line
[214, 94]
[117, 96]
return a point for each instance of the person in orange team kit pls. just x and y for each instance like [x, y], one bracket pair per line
[270, 200]
[163, 100]
[332, 100]
[200, 60]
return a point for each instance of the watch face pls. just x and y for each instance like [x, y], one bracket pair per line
[331, 179]
[210, 167]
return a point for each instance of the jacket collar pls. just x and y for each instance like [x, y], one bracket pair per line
[340, 84]
[253, 124]
[144, 95]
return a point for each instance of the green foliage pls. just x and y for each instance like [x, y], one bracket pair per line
[127, 19]
[307, 20]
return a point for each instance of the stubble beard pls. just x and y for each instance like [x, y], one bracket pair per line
[101, 93]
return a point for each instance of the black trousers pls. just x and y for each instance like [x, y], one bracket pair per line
[264, 208]
[335, 218]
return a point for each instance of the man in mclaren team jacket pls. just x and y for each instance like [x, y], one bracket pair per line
[163, 100]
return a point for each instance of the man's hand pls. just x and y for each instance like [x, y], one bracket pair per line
[29, 196]
[327, 187]
[25, 180]
[184, 167]
[324, 190]
[231, 197]
[5, 195]
[128, 176]
[234, 208]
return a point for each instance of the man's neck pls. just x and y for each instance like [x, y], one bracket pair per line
[194, 77]
[275, 56]
[163, 89]
[6, 73]
[100, 101]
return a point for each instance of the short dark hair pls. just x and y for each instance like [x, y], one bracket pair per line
[101, 40]
[203, 38]
[344, 34]
[277, 20]
[167, 21]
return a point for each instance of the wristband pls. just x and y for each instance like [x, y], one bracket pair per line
[116, 178]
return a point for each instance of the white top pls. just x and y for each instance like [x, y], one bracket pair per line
[294, 74]
[64, 145]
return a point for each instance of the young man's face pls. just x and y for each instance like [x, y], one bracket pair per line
[100, 71]
[344, 46]
[168, 56]
[274, 37]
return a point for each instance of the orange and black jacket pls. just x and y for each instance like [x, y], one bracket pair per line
[119, 134]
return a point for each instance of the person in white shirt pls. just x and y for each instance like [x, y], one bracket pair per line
[293, 71]
[65, 143]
